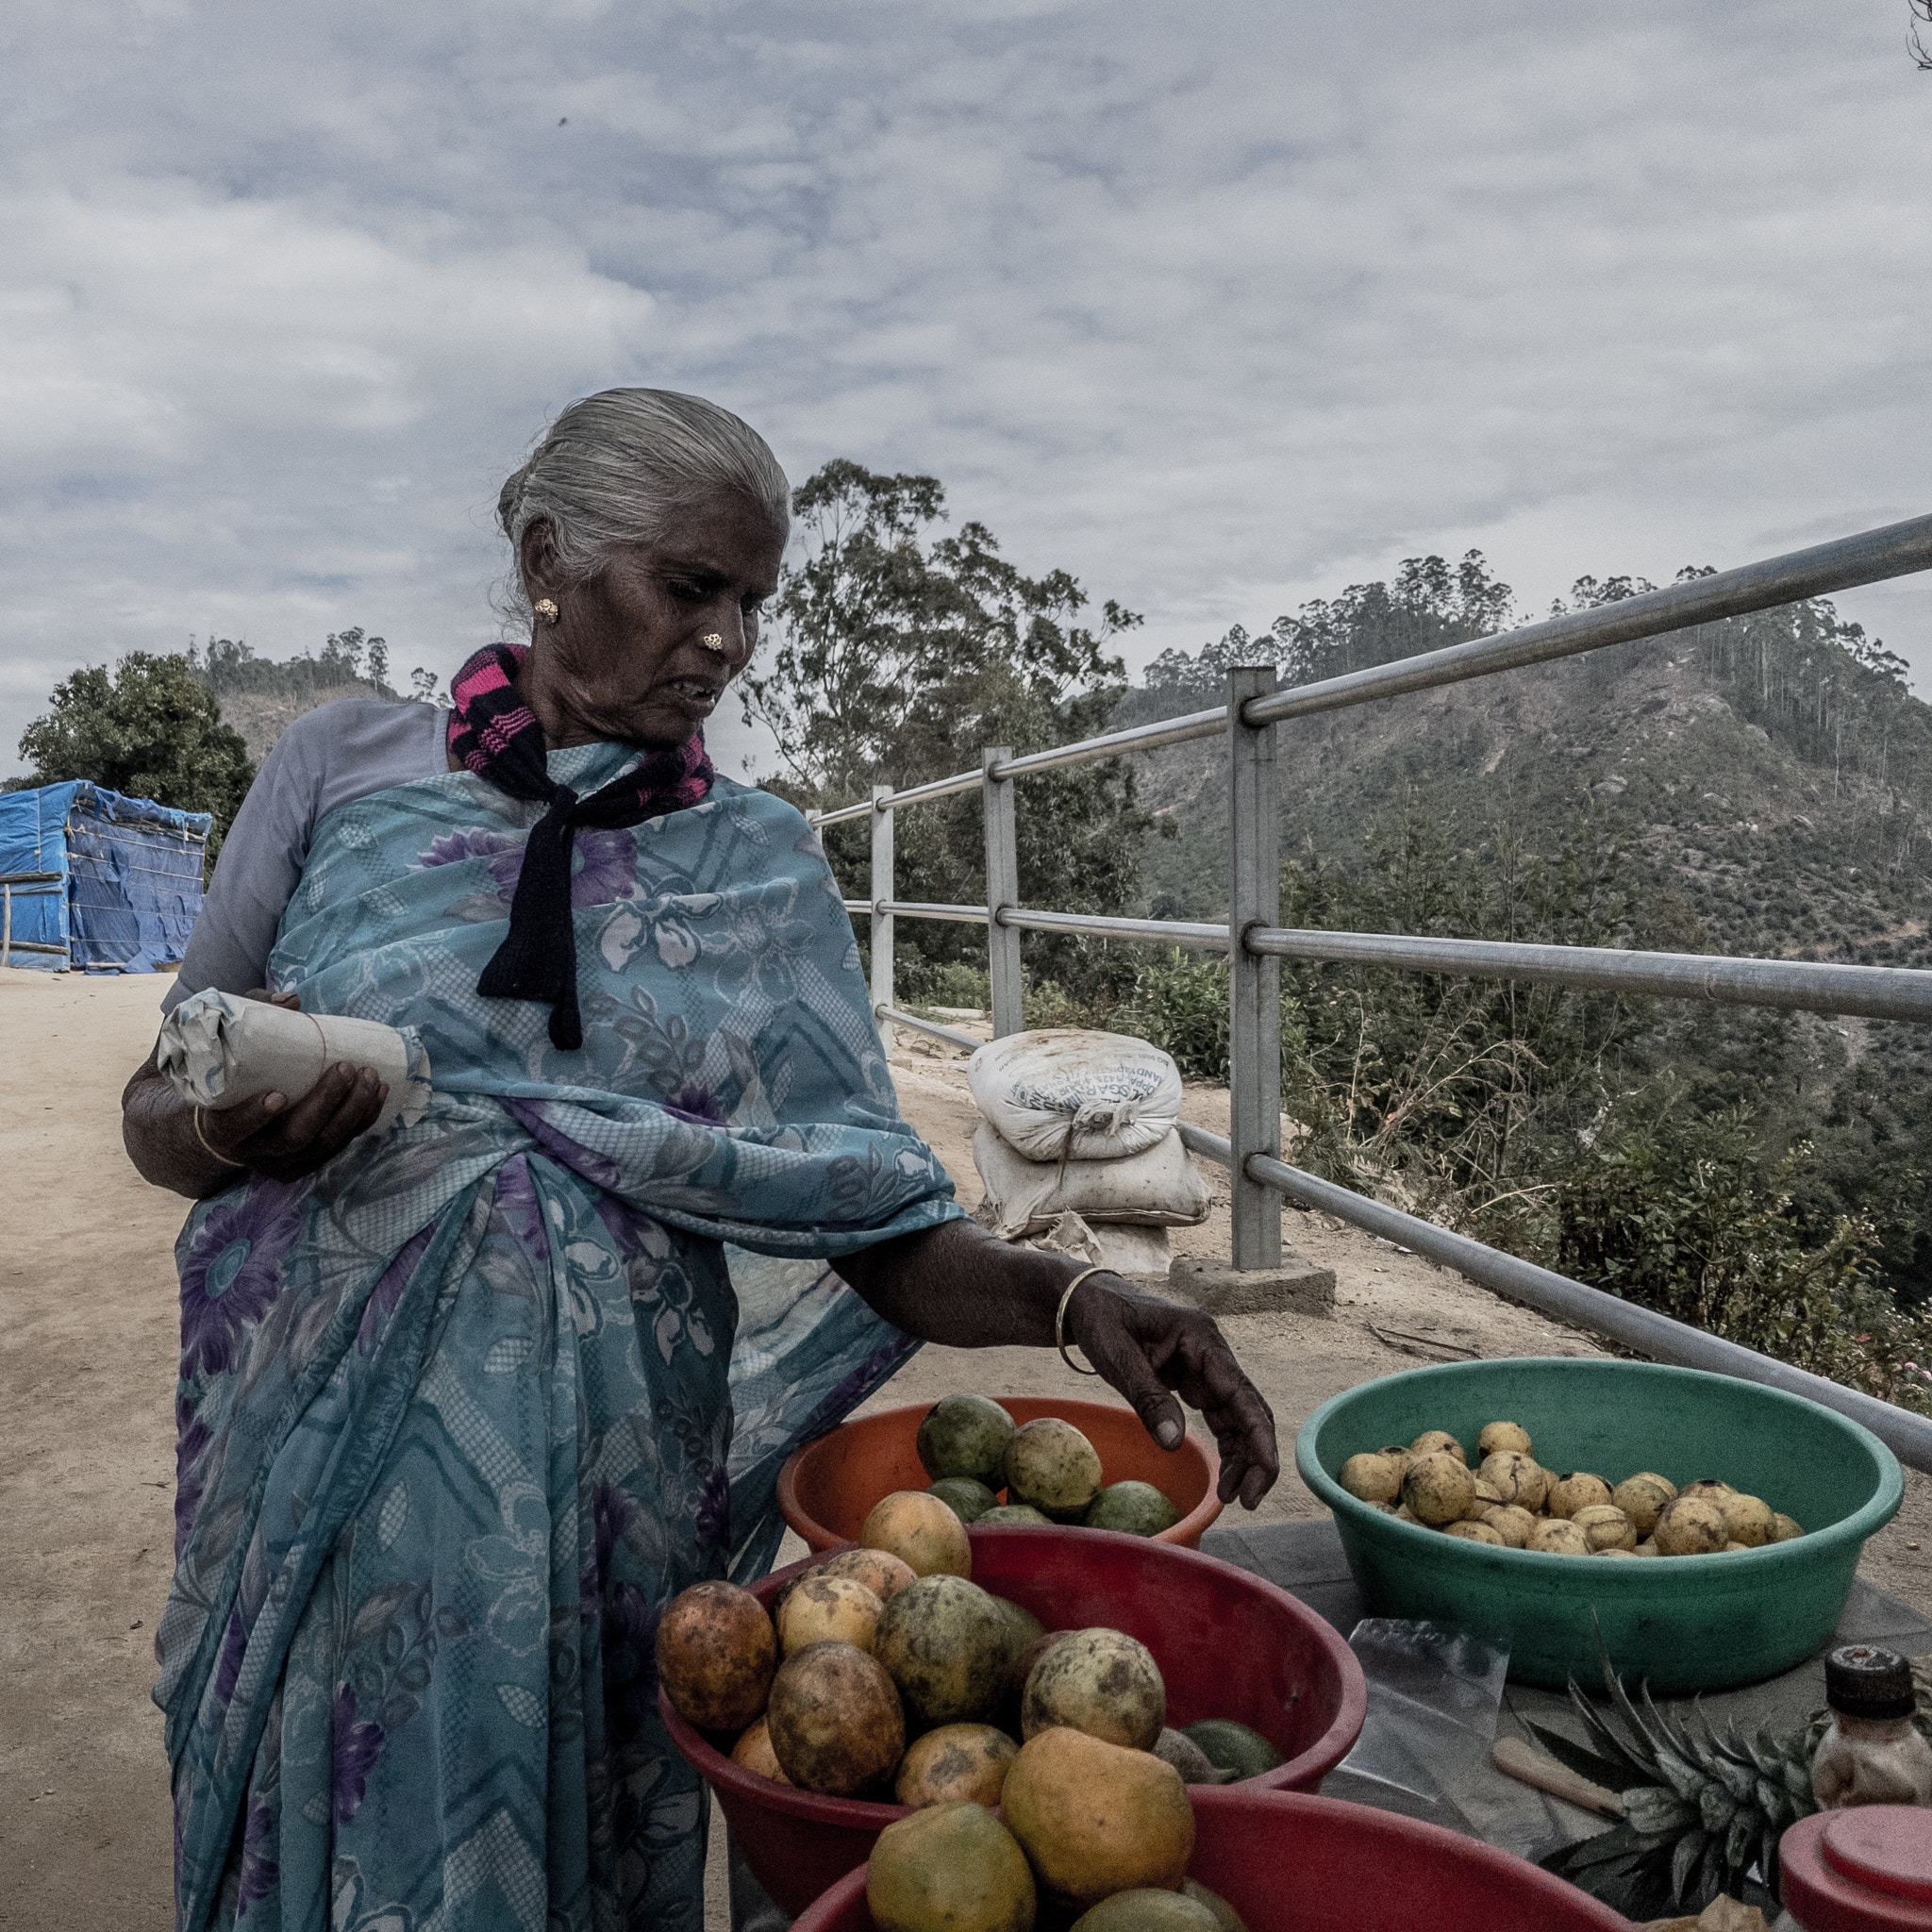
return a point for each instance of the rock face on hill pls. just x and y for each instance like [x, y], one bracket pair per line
[1762, 846]
[261, 717]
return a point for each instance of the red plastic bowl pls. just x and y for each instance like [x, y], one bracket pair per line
[1287, 1861]
[1228, 1645]
[828, 1488]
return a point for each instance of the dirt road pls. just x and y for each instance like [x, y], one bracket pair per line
[86, 1377]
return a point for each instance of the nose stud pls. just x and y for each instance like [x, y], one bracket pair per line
[712, 641]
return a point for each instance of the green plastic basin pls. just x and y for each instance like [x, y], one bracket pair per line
[1686, 1623]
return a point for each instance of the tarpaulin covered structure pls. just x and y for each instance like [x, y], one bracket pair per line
[93, 882]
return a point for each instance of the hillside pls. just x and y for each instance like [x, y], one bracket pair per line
[1770, 851]
[262, 698]
[1761, 787]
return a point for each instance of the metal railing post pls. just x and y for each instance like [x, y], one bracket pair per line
[1002, 891]
[1254, 980]
[883, 892]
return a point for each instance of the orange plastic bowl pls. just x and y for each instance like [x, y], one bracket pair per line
[1228, 1644]
[1290, 1862]
[828, 1489]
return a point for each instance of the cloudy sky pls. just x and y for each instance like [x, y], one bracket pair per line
[1221, 307]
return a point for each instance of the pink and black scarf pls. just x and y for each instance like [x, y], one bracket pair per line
[496, 735]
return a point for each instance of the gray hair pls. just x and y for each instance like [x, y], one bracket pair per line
[614, 467]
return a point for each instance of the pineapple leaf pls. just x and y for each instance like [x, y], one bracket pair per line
[1607, 1738]
[1710, 1875]
[1717, 1808]
[1688, 1783]
[1772, 1801]
[1742, 1843]
[1655, 1812]
[1613, 1774]
[1612, 1847]
[1683, 1863]
[1677, 1738]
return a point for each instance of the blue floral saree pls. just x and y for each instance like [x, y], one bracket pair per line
[460, 1414]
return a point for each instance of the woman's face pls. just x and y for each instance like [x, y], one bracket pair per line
[627, 659]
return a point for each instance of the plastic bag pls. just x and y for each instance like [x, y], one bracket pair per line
[1434, 1694]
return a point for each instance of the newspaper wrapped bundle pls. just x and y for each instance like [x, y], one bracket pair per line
[218, 1050]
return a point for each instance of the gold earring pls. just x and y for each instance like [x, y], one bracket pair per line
[545, 612]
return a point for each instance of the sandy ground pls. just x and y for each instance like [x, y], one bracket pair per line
[87, 1375]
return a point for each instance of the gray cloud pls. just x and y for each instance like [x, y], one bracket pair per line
[1218, 307]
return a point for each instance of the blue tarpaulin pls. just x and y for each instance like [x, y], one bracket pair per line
[95, 882]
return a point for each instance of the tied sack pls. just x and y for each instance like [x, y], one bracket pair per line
[1157, 1188]
[217, 1051]
[1066, 1093]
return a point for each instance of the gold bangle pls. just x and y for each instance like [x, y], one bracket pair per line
[216, 1152]
[1059, 1321]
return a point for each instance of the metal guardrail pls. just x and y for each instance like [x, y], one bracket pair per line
[1260, 1179]
[1908, 1435]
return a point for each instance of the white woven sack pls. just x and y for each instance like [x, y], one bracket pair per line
[1062, 1092]
[1156, 1188]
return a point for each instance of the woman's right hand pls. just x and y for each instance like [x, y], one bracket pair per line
[285, 1142]
[195, 1152]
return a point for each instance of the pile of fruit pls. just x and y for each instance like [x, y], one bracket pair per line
[1510, 1498]
[887, 1672]
[1049, 1471]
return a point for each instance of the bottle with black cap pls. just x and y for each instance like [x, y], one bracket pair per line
[1872, 1753]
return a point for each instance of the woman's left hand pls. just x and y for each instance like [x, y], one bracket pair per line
[1152, 1351]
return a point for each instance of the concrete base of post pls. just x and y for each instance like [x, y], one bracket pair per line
[1298, 1287]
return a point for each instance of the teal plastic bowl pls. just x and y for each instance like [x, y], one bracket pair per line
[1686, 1623]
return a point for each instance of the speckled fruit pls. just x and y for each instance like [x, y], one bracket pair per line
[946, 1644]
[1438, 1443]
[957, 1764]
[1710, 1487]
[1784, 1528]
[1148, 1909]
[1099, 1681]
[753, 1751]
[1049, 1464]
[965, 1435]
[1510, 1522]
[1640, 1497]
[828, 1610]
[1374, 1476]
[1225, 1914]
[837, 1724]
[1469, 1531]
[1439, 1488]
[967, 1499]
[1135, 1509]
[920, 1531]
[1750, 1520]
[1516, 1478]
[881, 1572]
[1557, 1536]
[1497, 1436]
[1581, 1491]
[1023, 1514]
[1094, 1819]
[1605, 1527]
[950, 1868]
[1691, 1526]
[716, 1654]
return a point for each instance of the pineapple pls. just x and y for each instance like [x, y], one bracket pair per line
[1701, 1808]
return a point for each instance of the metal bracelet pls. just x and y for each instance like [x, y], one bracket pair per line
[216, 1152]
[1059, 1321]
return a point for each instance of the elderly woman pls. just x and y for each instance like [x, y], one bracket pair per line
[463, 1407]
